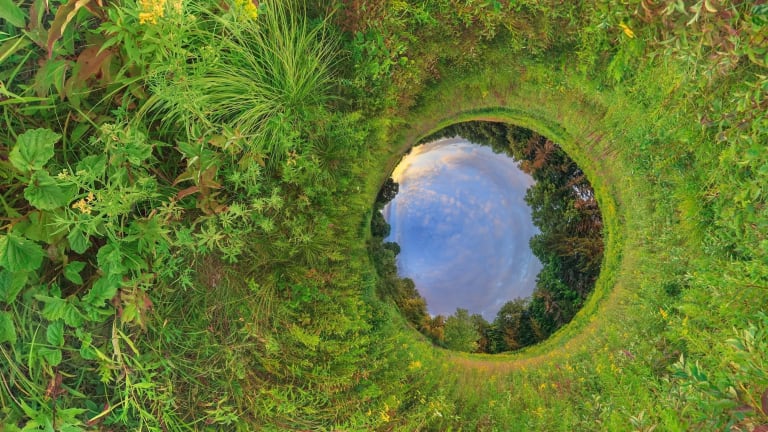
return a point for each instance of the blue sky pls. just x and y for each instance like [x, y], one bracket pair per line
[463, 226]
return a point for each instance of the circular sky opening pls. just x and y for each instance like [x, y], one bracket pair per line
[463, 226]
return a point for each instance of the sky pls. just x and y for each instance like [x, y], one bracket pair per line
[463, 226]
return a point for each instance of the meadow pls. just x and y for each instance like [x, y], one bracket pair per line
[187, 189]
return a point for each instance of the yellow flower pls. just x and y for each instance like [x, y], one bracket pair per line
[82, 206]
[663, 313]
[248, 7]
[414, 365]
[90, 198]
[151, 10]
[384, 414]
[627, 31]
[176, 5]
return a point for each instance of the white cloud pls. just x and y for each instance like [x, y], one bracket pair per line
[463, 227]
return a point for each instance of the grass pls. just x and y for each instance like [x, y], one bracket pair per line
[258, 309]
[260, 79]
[606, 368]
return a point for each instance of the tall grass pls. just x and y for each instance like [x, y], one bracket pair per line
[262, 78]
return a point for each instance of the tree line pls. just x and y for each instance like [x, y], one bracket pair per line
[569, 246]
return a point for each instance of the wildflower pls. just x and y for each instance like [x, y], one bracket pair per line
[384, 414]
[90, 198]
[249, 7]
[414, 365]
[663, 313]
[176, 5]
[627, 31]
[292, 156]
[83, 206]
[63, 175]
[151, 10]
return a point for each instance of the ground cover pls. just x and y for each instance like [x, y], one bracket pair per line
[186, 207]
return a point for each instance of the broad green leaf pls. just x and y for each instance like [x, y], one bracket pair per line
[34, 226]
[103, 289]
[12, 13]
[52, 356]
[88, 352]
[11, 284]
[38, 226]
[58, 308]
[72, 271]
[7, 330]
[78, 240]
[20, 254]
[54, 334]
[33, 149]
[94, 166]
[45, 193]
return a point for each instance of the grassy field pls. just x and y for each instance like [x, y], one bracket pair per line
[187, 190]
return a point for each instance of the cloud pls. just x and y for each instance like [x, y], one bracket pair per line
[463, 227]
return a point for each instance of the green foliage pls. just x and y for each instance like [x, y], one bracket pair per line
[140, 160]
[45, 193]
[33, 149]
[264, 82]
[379, 226]
[7, 328]
[569, 244]
[460, 333]
[12, 13]
[19, 254]
[387, 192]
[515, 326]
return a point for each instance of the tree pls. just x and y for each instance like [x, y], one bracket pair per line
[514, 324]
[434, 328]
[387, 192]
[460, 332]
[482, 327]
[569, 243]
[379, 226]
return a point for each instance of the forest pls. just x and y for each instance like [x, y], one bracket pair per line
[189, 230]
